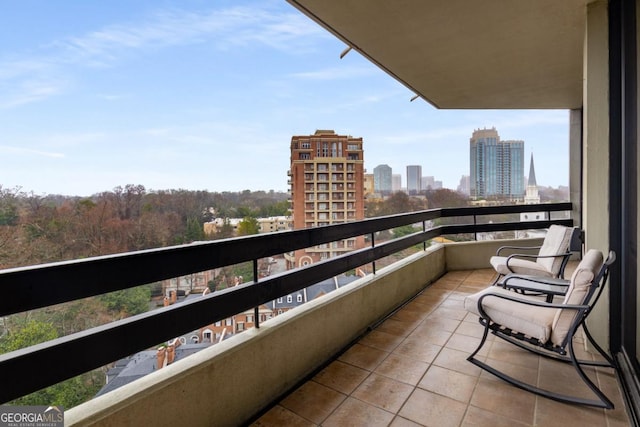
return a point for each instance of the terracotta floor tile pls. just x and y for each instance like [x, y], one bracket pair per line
[403, 422]
[418, 349]
[279, 416]
[404, 369]
[470, 329]
[457, 275]
[395, 327]
[363, 356]
[506, 400]
[504, 351]
[446, 284]
[431, 409]
[421, 306]
[313, 401]
[563, 378]
[448, 383]
[355, 413]
[381, 340]
[476, 417]
[526, 374]
[383, 392]
[341, 376]
[466, 344]
[410, 317]
[457, 361]
[427, 333]
[455, 301]
[552, 413]
[441, 323]
[430, 298]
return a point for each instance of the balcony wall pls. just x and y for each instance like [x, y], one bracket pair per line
[234, 380]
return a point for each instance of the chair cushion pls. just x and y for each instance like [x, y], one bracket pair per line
[532, 321]
[519, 266]
[555, 242]
[581, 281]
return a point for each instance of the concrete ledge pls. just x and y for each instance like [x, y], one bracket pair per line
[227, 384]
[476, 255]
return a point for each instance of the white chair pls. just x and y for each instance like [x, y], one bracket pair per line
[544, 328]
[550, 261]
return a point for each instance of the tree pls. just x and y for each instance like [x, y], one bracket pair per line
[30, 333]
[67, 393]
[130, 301]
[247, 226]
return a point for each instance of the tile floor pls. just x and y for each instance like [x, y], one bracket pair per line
[412, 371]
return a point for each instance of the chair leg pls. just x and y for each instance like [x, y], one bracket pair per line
[599, 349]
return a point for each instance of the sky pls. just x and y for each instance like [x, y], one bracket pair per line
[206, 95]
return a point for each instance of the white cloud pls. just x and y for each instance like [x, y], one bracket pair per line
[336, 73]
[225, 29]
[28, 151]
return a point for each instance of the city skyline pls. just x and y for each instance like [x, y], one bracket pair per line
[197, 96]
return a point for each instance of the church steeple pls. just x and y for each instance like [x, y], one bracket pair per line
[532, 174]
[532, 197]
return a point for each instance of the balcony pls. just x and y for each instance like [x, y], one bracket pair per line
[239, 379]
[412, 368]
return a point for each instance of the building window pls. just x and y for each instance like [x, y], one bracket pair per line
[289, 299]
[249, 318]
[206, 335]
[228, 322]
[279, 300]
[299, 297]
[304, 156]
[218, 323]
[240, 326]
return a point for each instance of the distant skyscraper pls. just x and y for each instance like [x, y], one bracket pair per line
[382, 179]
[428, 183]
[396, 182]
[463, 187]
[327, 187]
[414, 179]
[497, 167]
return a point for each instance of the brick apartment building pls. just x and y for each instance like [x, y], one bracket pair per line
[327, 187]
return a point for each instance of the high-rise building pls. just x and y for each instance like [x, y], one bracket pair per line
[327, 187]
[497, 167]
[414, 179]
[396, 182]
[382, 179]
[428, 183]
[463, 187]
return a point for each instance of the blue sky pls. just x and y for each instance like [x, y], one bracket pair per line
[205, 95]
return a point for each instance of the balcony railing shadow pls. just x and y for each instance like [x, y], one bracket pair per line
[41, 286]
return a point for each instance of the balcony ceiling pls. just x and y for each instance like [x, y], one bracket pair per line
[468, 54]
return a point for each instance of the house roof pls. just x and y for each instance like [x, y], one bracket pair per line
[468, 54]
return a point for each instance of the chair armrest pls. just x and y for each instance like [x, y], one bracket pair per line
[536, 303]
[551, 281]
[501, 248]
[535, 284]
[562, 255]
